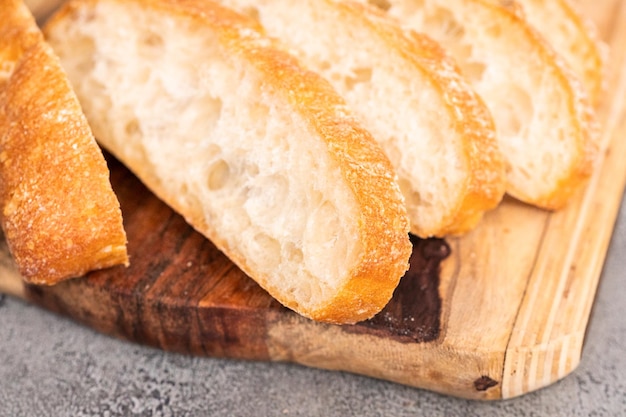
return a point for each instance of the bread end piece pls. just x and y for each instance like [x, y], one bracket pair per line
[59, 214]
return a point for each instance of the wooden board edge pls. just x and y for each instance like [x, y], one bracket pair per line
[529, 367]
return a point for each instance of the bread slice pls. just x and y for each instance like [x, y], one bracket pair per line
[257, 153]
[543, 119]
[436, 131]
[59, 214]
[574, 37]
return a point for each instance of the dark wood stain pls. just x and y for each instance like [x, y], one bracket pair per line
[413, 314]
[182, 294]
[484, 383]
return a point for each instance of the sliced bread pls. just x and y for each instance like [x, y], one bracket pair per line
[574, 37]
[258, 154]
[58, 212]
[434, 128]
[543, 119]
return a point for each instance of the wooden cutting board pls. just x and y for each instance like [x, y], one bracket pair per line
[494, 314]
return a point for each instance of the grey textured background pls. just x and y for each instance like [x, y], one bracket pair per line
[50, 366]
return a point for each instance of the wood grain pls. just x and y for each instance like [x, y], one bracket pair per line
[495, 314]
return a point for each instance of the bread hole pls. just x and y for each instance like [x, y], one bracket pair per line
[411, 196]
[508, 4]
[313, 290]
[513, 109]
[461, 52]
[393, 151]
[267, 252]
[410, 8]
[290, 289]
[150, 45]
[442, 22]
[547, 163]
[210, 114]
[307, 289]
[326, 247]
[381, 4]
[293, 253]
[508, 167]
[83, 15]
[304, 292]
[189, 200]
[259, 111]
[335, 77]
[132, 128]
[359, 76]
[323, 66]
[212, 151]
[252, 12]
[442, 26]
[297, 296]
[494, 30]
[151, 40]
[259, 114]
[525, 172]
[251, 170]
[218, 175]
[83, 47]
[325, 225]
[315, 199]
[473, 71]
[266, 198]
[143, 75]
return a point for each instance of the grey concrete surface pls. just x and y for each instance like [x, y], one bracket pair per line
[50, 366]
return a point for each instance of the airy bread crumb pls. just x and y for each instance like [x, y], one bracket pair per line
[256, 153]
[543, 118]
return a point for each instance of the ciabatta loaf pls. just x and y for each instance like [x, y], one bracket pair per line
[436, 131]
[574, 38]
[257, 153]
[59, 214]
[543, 118]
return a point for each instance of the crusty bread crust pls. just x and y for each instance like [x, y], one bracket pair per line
[574, 37]
[478, 147]
[59, 214]
[581, 114]
[440, 125]
[579, 117]
[382, 225]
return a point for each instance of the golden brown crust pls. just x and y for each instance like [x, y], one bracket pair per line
[510, 15]
[589, 50]
[383, 224]
[580, 111]
[59, 214]
[485, 180]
